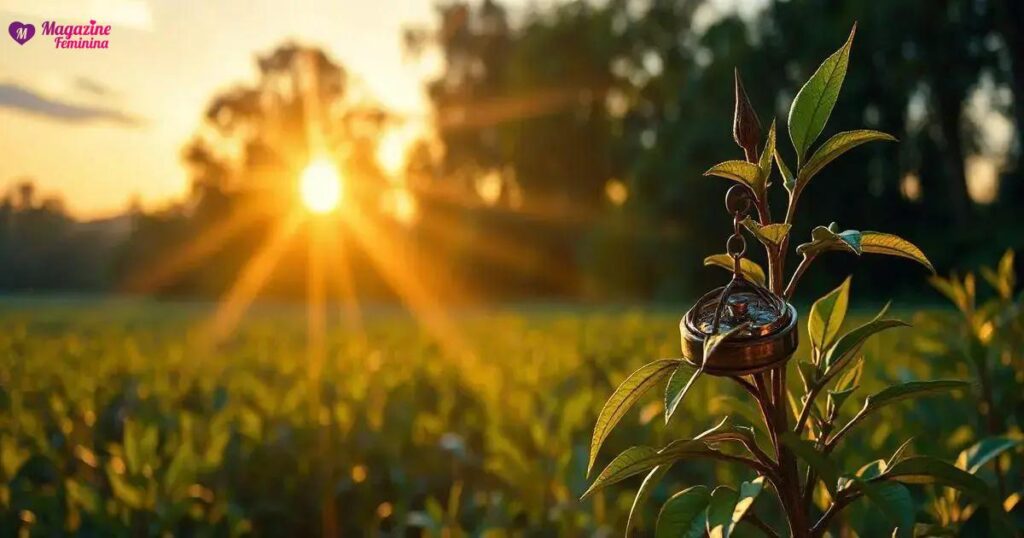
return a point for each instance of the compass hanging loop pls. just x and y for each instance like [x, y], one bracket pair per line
[769, 337]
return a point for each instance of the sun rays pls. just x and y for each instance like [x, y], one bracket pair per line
[336, 229]
[252, 278]
[351, 217]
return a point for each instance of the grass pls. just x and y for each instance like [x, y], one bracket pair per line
[116, 421]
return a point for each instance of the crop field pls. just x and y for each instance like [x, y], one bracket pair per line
[117, 419]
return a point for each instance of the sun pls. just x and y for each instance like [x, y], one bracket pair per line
[320, 186]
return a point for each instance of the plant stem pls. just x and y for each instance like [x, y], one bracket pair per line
[834, 440]
[774, 268]
[837, 506]
[747, 385]
[792, 500]
[781, 400]
[991, 418]
[759, 454]
[805, 411]
[799, 525]
[770, 390]
[787, 483]
[799, 272]
[764, 215]
[811, 477]
[768, 412]
[755, 465]
[774, 404]
[784, 244]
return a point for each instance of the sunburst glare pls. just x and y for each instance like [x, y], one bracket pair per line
[320, 186]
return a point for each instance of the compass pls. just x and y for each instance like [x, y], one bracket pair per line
[761, 325]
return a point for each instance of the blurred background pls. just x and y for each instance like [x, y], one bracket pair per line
[463, 223]
[515, 151]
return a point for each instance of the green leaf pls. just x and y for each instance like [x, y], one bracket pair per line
[850, 379]
[896, 393]
[132, 452]
[834, 147]
[82, 495]
[962, 295]
[772, 234]
[624, 397]
[181, 472]
[727, 431]
[892, 245]
[849, 345]
[984, 451]
[912, 389]
[881, 313]
[720, 509]
[830, 238]
[132, 495]
[748, 494]
[1006, 269]
[677, 397]
[818, 461]
[894, 500]
[931, 530]
[809, 374]
[714, 341]
[641, 459]
[683, 515]
[813, 104]
[632, 461]
[746, 529]
[897, 456]
[676, 383]
[857, 242]
[871, 470]
[928, 470]
[827, 316]
[650, 481]
[711, 344]
[764, 164]
[836, 399]
[1004, 279]
[794, 406]
[739, 171]
[787, 176]
[750, 269]
[878, 467]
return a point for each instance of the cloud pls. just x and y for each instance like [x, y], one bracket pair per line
[92, 86]
[19, 98]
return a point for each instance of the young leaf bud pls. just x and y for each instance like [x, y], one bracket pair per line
[746, 128]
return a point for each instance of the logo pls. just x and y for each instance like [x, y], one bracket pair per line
[78, 36]
[65, 36]
[20, 32]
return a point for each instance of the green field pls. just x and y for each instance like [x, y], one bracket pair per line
[118, 421]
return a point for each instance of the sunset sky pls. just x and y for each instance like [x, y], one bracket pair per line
[100, 127]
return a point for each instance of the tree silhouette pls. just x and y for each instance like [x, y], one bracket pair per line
[245, 159]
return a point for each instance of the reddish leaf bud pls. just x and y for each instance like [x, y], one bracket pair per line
[746, 127]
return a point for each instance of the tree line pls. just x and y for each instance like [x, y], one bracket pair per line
[567, 145]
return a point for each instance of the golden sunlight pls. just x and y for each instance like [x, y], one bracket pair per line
[393, 149]
[320, 186]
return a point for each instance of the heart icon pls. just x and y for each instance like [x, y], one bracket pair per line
[21, 32]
